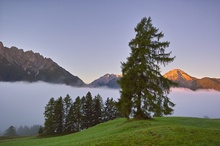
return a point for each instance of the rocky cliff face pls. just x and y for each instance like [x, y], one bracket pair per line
[18, 65]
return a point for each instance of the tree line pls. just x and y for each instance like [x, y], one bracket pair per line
[22, 131]
[64, 115]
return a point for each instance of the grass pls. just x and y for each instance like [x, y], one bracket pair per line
[159, 131]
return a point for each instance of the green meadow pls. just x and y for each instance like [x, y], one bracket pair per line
[121, 132]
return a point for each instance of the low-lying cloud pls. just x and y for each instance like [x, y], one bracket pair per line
[23, 103]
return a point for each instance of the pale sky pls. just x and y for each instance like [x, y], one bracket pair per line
[89, 38]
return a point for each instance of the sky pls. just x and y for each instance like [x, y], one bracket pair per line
[90, 38]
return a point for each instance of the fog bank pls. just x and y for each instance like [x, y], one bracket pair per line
[23, 103]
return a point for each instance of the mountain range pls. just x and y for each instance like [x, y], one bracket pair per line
[180, 77]
[18, 65]
[186, 81]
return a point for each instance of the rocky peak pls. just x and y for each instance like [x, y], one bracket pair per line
[177, 74]
[19, 65]
[109, 80]
[28, 60]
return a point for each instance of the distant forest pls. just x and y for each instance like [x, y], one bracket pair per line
[22, 131]
[63, 116]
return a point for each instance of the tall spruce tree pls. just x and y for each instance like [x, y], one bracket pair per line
[68, 114]
[97, 110]
[59, 115]
[71, 125]
[83, 107]
[88, 111]
[77, 112]
[49, 115]
[143, 89]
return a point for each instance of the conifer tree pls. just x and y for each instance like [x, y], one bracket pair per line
[70, 118]
[77, 112]
[143, 89]
[59, 115]
[97, 110]
[110, 110]
[11, 131]
[49, 115]
[88, 111]
[83, 113]
[68, 114]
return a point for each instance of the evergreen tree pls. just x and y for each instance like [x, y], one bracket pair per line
[11, 131]
[49, 115]
[97, 109]
[41, 130]
[59, 115]
[87, 111]
[77, 112]
[67, 103]
[110, 110]
[143, 89]
[71, 125]
[83, 113]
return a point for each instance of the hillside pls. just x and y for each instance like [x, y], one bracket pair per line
[159, 131]
[18, 65]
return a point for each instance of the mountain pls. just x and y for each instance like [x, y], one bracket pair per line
[180, 77]
[183, 79]
[206, 83]
[187, 81]
[17, 65]
[108, 80]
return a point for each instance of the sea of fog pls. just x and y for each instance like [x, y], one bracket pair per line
[23, 103]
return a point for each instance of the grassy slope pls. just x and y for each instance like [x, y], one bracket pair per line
[160, 131]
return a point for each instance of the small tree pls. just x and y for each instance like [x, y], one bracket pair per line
[143, 89]
[11, 131]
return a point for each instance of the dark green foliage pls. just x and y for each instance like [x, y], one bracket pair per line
[49, 116]
[110, 110]
[11, 131]
[41, 130]
[77, 112]
[67, 101]
[62, 116]
[59, 115]
[97, 110]
[143, 89]
[87, 111]
[83, 115]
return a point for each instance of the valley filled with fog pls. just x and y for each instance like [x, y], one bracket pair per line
[23, 103]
